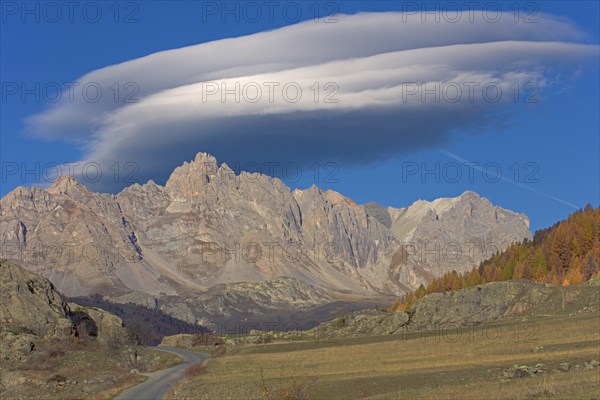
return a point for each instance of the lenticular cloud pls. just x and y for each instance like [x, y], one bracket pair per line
[370, 86]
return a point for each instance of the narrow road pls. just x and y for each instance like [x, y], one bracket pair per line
[159, 382]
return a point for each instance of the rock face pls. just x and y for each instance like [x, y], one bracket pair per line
[451, 234]
[76, 238]
[479, 304]
[208, 226]
[30, 304]
[32, 309]
[497, 300]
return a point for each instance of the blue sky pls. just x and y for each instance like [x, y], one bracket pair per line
[548, 152]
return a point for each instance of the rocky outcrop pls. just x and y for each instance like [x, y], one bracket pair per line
[363, 323]
[31, 309]
[540, 369]
[500, 300]
[96, 321]
[479, 304]
[468, 307]
[30, 304]
[188, 340]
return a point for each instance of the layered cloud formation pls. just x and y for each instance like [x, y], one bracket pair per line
[371, 86]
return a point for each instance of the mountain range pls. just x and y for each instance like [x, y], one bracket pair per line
[212, 234]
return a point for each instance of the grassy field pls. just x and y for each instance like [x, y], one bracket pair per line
[465, 364]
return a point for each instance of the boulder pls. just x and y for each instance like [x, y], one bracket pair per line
[103, 323]
[565, 367]
[186, 340]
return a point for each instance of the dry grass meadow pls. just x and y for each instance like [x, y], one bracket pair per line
[465, 364]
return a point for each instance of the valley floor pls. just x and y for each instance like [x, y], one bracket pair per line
[470, 364]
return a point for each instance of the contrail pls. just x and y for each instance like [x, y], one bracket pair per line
[463, 160]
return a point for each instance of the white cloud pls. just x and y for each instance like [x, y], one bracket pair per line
[377, 65]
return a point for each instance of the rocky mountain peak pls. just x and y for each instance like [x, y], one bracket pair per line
[470, 199]
[470, 195]
[151, 183]
[336, 198]
[202, 157]
[188, 180]
[67, 184]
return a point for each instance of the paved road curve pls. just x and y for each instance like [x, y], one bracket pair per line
[159, 382]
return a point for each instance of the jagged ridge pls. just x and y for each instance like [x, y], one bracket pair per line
[208, 226]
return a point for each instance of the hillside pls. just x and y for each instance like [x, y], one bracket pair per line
[481, 305]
